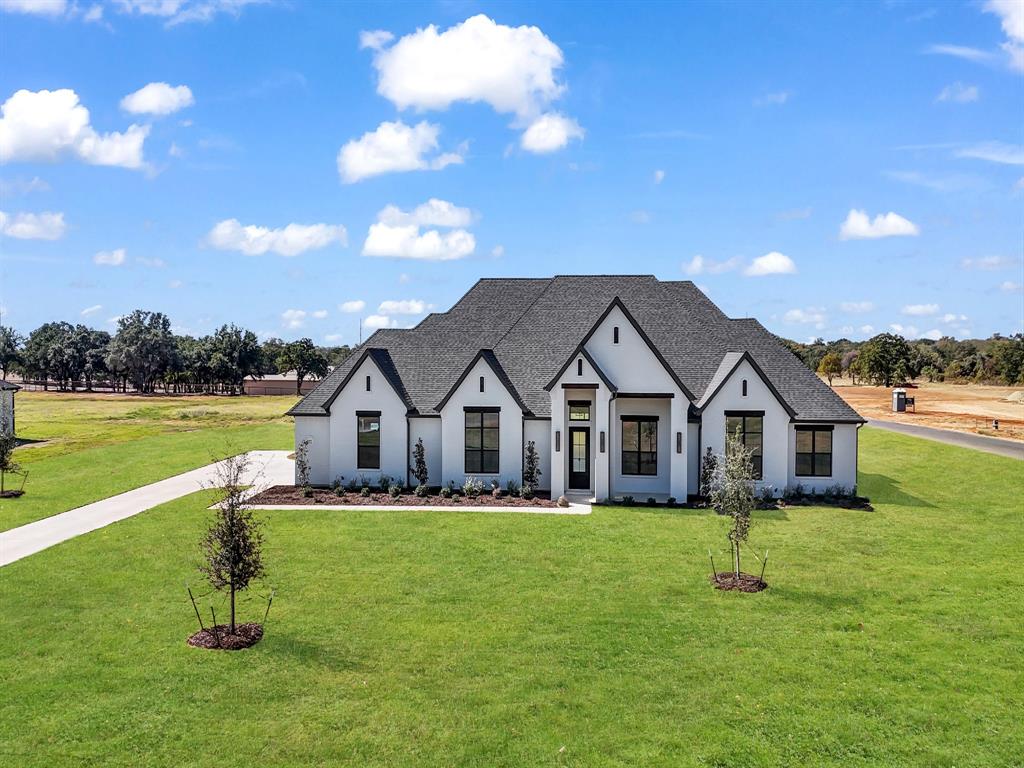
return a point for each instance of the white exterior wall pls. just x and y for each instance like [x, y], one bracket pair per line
[777, 456]
[693, 459]
[430, 430]
[343, 429]
[316, 429]
[642, 486]
[7, 424]
[844, 460]
[539, 430]
[453, 428]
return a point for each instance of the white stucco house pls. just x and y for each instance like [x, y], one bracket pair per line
[7, 390]
[621, 382]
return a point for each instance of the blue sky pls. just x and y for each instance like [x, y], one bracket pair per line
[831, 169]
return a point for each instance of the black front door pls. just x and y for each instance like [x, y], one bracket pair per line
[579, 458]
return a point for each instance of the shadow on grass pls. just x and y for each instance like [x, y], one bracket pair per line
[764, 515]
[883, 489]
[308, 651]
[820, 599]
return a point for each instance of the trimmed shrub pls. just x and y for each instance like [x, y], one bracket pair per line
[365, 492]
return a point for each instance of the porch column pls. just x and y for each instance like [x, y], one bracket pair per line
[602, 426]
[556, 470]
[677, 440]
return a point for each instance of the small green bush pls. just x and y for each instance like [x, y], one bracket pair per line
[395, 491]
[365, 492]
[651, 501]
[628, 501]
[422, 491]
[446, 493]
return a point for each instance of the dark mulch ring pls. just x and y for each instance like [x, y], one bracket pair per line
[747, 582]
[290, 494]
[11, 494]
[220, 638]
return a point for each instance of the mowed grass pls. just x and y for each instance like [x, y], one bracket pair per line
[890, 637]
[89, 447]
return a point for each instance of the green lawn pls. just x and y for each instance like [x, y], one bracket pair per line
[89, 447]
[890, 637]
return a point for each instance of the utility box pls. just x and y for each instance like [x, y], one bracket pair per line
[899, 400]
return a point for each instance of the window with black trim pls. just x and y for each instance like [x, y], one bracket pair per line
[579, 410]
[744, 387]
[615, 335]
[482, 440]
[750, 428]
[814, 451]
[639, 445]
[367, 383]
[368, 441]
[579, 367]
[481, 383]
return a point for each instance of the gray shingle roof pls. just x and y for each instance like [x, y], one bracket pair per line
[532, 325]
[8, 386]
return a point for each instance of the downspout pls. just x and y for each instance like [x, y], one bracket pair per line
[856, 457]
[408, 448]
[700, 449]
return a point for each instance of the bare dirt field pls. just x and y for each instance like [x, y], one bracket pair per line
[961, 407]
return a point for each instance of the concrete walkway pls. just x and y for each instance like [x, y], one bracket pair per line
[266, 468]
[1001, 446]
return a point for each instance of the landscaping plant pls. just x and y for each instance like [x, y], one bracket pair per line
[302, 463]
[419, 470]
[7, 464]
[531, 468]
[733, 494]
[233, 546]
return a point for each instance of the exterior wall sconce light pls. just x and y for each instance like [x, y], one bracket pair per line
[679, 442]
[602, 441]
[558, 440]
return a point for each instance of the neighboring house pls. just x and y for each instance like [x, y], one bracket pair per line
[621, 382]
[278, 384]
[7, 390]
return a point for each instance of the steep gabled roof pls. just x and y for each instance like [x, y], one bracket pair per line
[532, 326]
[487, 355]
[581, 350]
[382, 358]
[730, 362]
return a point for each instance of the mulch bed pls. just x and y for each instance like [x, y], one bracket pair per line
[11, 494]
[747, 582]
[857, 502]
[220, 639]
[290, 494]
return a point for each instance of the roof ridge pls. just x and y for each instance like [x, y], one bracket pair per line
[522, 314]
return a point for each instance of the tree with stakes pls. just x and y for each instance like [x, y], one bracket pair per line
[732, 494]
[419, 459]
[232, 547]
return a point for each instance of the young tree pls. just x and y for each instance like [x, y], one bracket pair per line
[531, 467]
[233, 546]
[732, 493]
[419, 458]
[831, 365]
[305, 359]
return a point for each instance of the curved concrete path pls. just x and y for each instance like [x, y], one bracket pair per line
[1001, 446]
[265, 468]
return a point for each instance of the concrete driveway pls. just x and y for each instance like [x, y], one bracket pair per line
[265, 468]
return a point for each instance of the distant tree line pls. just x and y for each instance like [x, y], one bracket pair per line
[146, 356]
[888, 359]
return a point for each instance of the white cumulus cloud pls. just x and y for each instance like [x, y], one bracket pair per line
[231, 235]
[920, 310]
[46, 125]
[858, 226]
[349, 307]
[394, 147]
[811, 316]
[397, 233]
[1011, 16]
[773, 263]
[374, 39]
[549, 133]
[380, 321]
[699, 265]
[158, 99]
[33, 226]
[35, 7]
[659, 176]
[113, 258]
[293, 319]
[402, 307]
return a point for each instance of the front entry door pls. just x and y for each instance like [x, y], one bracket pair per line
[579, 458]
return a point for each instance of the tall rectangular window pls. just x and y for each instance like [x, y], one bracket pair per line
[814, 451]
[750, 428]
[639, 445]
[368, 440]
[482, 440]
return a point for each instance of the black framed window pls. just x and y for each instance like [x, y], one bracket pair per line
[579, 410]
[615, 335]
[482, 440]
[367, 383]
[579, 367]
[814, 451]
[750, 427]
[639, 445]
[368, 440]
[481, 383]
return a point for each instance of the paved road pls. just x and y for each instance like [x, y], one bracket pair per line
[1012, 448]
[266, 468]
